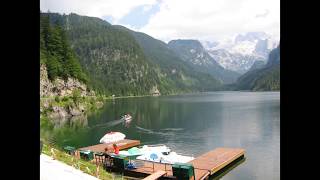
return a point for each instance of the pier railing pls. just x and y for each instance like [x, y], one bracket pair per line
[140, 163]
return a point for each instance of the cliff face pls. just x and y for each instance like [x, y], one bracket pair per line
[60, 87]
[58, 100]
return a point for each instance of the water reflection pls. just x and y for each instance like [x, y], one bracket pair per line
[227, 169]
[192, 124]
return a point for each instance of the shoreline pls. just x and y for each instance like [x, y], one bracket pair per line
[177, 94]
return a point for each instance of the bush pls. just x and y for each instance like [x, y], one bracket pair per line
[100, 98]
[65, 98]
[76, 96]
[57, 99]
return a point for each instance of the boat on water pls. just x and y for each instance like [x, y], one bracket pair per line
[157, 153]
[127, 117]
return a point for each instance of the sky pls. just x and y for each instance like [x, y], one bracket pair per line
[205, 20]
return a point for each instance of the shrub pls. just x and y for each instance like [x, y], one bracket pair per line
[57, 99]
[65, 98]
[76, 96]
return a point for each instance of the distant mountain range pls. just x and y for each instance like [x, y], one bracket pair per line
[240, 53]
[192, 52]
[120, 61]
[262, 77]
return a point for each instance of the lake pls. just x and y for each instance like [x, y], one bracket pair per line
[191, 124]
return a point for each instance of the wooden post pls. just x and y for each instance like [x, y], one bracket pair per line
[153, 167]
[97, 172]
[77, 154]
[53, 153]
[96, 158]
[165, 167]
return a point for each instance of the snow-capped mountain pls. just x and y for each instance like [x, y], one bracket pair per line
[240, 53]
[192, 52]
[234, 61]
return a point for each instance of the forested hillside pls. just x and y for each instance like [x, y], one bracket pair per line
[193, 53]
[266, 78]
[117, 62]
[175, 74]
[114, 61]
[56, 53]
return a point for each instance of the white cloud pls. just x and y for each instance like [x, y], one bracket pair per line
[213, 19]
[96, 8]
[196, 19]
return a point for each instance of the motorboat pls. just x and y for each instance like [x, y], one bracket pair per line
[127, 117]
[112, 137]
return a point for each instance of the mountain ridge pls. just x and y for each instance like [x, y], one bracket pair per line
[192, 52]
[266, 78]
[240, 53]
[118, 63]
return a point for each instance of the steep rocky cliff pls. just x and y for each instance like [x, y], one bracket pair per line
[63, 99]
[60, 87]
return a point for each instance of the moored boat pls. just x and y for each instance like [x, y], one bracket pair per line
[157, 153]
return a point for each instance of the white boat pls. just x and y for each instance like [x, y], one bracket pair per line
[127, 117]
[158, 153]
[169, 158]
[146, 149]
[112, 137]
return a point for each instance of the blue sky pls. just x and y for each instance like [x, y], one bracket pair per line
[180, 19]
[139, 16]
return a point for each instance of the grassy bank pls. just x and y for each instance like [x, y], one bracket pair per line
[85, 166]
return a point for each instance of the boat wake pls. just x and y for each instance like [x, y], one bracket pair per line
[172, 129]
[111, 123]
[149, 131]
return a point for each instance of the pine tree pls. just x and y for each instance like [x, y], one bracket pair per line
[53, 67]
[56, 52]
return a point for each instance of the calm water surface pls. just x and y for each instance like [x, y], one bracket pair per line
[192, 124]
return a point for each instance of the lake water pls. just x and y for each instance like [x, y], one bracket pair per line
[193, 124]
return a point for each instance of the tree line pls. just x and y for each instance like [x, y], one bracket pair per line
[56, 53]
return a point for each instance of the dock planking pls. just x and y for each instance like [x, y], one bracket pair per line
[155, 175]
[122, 144]
[215, 160]
[204, 165]
[151, 167]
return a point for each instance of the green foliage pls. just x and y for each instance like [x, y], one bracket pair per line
[100, 98]
[76, 96]
[112, 58]
[44, 121]
[264, 79]
[270, 81]
[80, 164]
[54, 67]
[56, 53]
[175, 74]
[57, 99]
[126, 63]
[65, 98]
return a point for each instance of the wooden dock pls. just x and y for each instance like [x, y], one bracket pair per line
[204, 165]
[122, 144]
[155, 175]
[211, 162]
